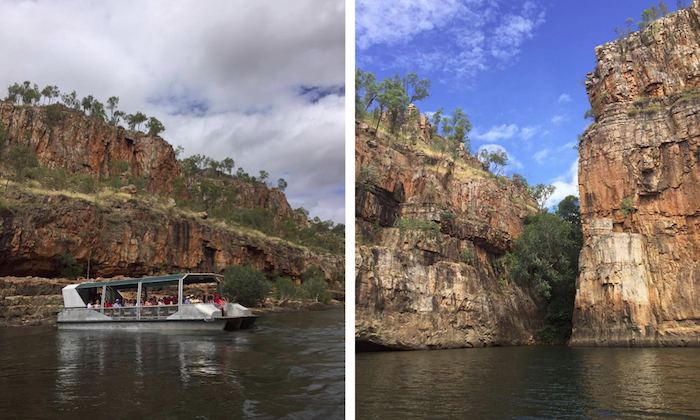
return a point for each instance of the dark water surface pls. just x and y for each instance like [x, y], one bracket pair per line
[291, 366]
[529, 383]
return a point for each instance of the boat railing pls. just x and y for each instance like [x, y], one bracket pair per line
[139, 312]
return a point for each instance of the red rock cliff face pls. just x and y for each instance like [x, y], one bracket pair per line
[124, 237]
[414, 289]
[69, 139]
[639, 184]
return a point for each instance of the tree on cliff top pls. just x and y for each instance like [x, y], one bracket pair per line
[417, 89]
[154, 126]
[541, 194]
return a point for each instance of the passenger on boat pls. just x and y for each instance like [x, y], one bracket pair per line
[117, 304]
[108, 304]
[188, 300]
[173, 300]
[166, 300]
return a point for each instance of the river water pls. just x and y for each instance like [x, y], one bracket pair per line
[529, 383]
[290, 366]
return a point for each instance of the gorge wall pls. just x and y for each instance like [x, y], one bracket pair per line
[118, 233]
[639, 184]
[416, 287]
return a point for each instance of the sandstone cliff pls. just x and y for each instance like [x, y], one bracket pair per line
[639, 183]
[120, 233]
[68, 139]
[416, 287]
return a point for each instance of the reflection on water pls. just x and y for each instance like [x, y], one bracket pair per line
[529, 383]
[290, 366]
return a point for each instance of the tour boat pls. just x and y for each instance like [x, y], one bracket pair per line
[178, 316]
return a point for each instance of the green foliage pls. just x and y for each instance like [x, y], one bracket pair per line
[313, 283]
[628, 206]
[87, 103]
[540, 257]
[245, 285]
[21, 158]
[281, 184]
[367, 178]
[546, 259]
[447, 216]
[112, 104]
[85, 184]
[54, 115]
[118, 166]
[154, 127]
[653, 13]
[71, 100]
[569, 210]
[520, 181]
[429, 227]
[417, 89]
[285, 289]
[496, 160]
[467, 256]
[589, 115]
[71, 269]
[541, 194]
[366, 91]
[393, 98]
[456, 127]
[135, 120]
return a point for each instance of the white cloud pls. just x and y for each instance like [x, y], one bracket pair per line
[225, 78]
[514, 30]
[504, 132]
[559, 119]
[526, 133]
[564, 98]
[497, 133]
[454, 38]
[565, 185]
[541, 156]
[400, 21]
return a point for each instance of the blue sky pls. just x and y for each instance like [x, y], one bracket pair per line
[514, 66]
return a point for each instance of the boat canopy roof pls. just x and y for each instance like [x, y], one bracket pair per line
[169, 280]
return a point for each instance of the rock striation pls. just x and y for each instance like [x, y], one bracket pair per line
[122, 236]
[416, 286]
[639, 183]
[68, 139]
[125, 234]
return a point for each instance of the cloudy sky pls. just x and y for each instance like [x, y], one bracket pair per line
[514, 66]
[261, 82]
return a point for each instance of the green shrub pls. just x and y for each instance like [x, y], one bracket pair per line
[315, 288]
[285, 288]
[54, 115]
[627, 206]
[85, 184]
[468, 256]
[71, 268]
[245, 285]
[118, 166]
[447, 216]
[430, 227]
